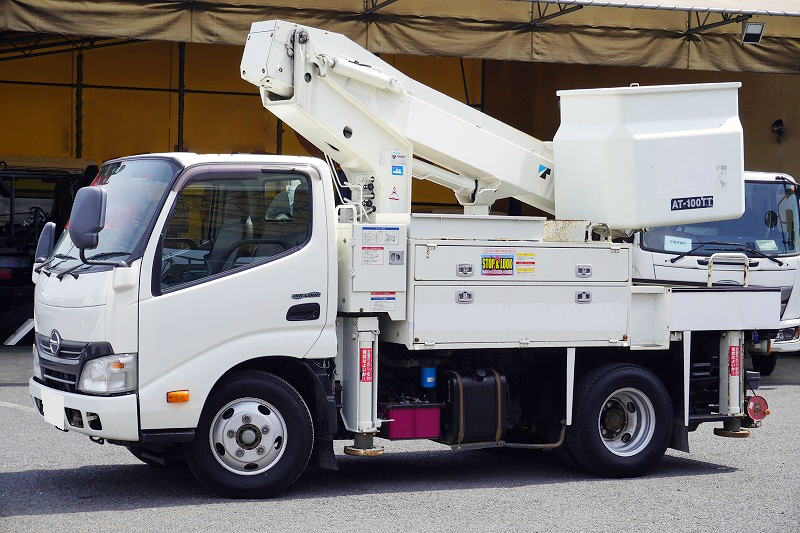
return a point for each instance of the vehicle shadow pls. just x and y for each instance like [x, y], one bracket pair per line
[134, 486]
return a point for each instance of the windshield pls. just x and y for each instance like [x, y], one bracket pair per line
[769, 225]
[134, 190]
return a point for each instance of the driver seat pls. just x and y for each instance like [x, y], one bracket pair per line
[237, 226]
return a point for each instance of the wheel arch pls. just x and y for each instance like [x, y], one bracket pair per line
[666, 365]
[312, 378]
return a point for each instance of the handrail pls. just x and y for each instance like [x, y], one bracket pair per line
[729, 256]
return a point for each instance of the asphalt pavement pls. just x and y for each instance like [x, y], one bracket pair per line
[54, 481]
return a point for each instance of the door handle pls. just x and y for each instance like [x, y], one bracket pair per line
[299, 312]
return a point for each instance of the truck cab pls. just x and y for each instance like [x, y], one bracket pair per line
[188, 242]
[767, 235]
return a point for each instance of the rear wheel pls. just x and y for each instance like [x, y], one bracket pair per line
[622, 421]
[254, 438]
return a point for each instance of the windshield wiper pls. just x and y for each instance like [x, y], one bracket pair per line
[93, 260]
[741, 246]
[57, 256]
[61, 275]
[762, 254]
[684, 254]
[106, 255]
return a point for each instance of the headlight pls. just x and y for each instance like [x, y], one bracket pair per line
[110, 374]
[37, 370]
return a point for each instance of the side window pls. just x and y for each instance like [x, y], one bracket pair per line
[225, 223]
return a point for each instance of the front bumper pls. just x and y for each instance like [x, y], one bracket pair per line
[786, 346]
[118, 415]
[788, 340]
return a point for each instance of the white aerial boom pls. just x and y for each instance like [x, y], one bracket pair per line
[373, 120]
[628, 157]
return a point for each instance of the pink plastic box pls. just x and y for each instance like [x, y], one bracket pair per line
[413, 421]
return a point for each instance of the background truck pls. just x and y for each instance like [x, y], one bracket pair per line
[33, 191]
[767, 234]
[223, 310]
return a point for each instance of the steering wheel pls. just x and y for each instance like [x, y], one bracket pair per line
[244, 242]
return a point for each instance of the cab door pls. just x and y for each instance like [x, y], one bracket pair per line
[240, 269]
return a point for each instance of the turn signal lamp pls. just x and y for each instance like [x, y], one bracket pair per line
[178, 396]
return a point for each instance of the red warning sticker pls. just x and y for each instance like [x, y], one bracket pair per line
[733, 361]
[365, 364]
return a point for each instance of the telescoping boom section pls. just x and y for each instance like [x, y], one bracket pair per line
[626, 157]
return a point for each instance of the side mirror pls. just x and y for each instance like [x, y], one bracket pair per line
[47, 239]
[88, 217]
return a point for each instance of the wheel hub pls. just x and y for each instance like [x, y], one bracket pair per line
[626, 422]
[248, 436]
[614, 419]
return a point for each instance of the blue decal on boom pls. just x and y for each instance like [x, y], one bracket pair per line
[397, 170]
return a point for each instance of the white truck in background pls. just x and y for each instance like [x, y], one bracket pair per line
[762, 247]
[222, 310]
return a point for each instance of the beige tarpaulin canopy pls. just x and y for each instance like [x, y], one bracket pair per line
[790, 8]
[656, 34]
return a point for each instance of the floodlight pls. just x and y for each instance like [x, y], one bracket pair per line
[752, 32]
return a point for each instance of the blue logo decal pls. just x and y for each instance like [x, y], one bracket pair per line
[543, 172]
[397, 170]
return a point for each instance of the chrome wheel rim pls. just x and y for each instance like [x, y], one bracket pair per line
[248, 436]
[626, 422]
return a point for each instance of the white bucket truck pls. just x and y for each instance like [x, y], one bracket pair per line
[762, 247]
[222, 310]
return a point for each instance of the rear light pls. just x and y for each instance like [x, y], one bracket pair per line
[6, 274]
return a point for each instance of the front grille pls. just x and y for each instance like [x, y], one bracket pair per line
[59, 380]
[69, 349]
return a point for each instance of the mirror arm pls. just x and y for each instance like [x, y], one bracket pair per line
[81, 254]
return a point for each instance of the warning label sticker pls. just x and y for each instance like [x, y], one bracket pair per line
[382, 301]
[733, 361]
[398, 157]
[380, 235]
[525, 262]
[372, 255]
[497, 262]
[365, 364]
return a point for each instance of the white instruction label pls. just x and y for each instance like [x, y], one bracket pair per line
[677, 244]
[382, 301]
[766, 245]
[380, 235]
[372, 255]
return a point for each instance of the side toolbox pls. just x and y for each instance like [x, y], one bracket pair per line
[475, 408]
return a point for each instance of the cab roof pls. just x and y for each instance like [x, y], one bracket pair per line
[767, 176]
[186, 159]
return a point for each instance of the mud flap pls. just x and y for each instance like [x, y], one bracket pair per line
[680, 436]
[323, 456]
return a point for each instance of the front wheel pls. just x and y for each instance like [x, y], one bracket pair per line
[254, 437]
[622, 421]
[765, 364]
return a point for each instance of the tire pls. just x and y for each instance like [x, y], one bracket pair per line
[765, 364]
[261, 417]
[632, 408]
[158, 459]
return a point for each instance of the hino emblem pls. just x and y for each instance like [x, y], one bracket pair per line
[55, 342]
